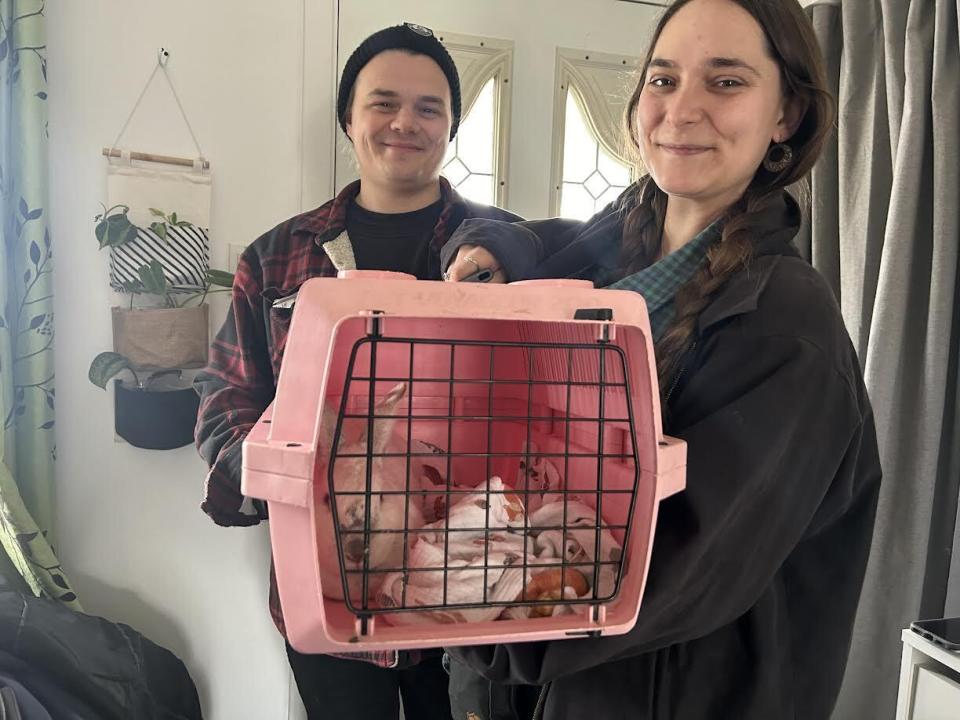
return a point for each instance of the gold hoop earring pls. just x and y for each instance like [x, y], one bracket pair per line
[778, 158]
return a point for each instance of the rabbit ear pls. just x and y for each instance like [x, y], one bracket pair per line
[382, 429]
[391, 399]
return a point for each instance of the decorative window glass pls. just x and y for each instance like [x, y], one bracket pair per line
[590, 167]
[476, 160]
[592, 177]
[471, 156]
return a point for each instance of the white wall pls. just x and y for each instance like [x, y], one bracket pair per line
[130, 531]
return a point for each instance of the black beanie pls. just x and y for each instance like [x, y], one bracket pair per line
[408, 36]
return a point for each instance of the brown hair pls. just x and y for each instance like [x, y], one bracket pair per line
[791, 42]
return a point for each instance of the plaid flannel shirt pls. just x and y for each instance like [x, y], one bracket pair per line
[240, 379]
[660, 282]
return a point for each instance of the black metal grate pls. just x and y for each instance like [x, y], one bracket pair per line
[556, 379]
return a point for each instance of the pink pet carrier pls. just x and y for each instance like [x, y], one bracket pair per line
[490, 456]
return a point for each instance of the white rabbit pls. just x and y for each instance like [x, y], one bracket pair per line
[385, 549]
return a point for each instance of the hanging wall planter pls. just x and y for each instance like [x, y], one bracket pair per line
[156, 231]
[161, 417]
[158, 409]
[160, 338]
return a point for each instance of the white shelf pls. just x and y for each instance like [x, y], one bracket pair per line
[929, 681]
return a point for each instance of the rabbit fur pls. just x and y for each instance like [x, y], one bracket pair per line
[384, 549]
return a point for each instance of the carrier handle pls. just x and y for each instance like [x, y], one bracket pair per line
[672, 466]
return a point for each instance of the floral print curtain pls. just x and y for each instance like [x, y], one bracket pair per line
[27, 394]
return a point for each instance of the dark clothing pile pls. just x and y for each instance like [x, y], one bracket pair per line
[57, 664]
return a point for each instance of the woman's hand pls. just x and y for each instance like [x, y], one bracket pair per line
[471, 259]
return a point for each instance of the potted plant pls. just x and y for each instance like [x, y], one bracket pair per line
[154, 343]
[156, 411]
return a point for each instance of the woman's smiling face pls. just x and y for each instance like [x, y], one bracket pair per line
[711, 104]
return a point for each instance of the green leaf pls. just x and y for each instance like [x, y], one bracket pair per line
[160, 228]
[130, 234]
[115, 230]
[157, 213]
[173, 218]
[101, 231]
[220, 277]
[133, 287]
[151, 275]
[105, 366]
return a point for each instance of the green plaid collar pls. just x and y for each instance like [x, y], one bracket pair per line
[660, 282]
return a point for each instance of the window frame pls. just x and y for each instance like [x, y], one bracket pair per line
[574, 68]
[480, 59]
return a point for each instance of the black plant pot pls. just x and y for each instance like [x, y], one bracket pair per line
[155, 419]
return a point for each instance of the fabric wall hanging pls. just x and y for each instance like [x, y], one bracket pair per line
[155, 223]
[182, 247]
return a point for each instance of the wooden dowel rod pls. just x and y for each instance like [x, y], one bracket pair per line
[150, 157]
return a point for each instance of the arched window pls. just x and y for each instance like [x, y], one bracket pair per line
[476, 159]
[471, 156]
[590, 165]
[592, 177]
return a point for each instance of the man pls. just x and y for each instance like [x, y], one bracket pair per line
[399, 103]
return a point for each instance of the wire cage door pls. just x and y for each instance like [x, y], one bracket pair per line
[472, 479]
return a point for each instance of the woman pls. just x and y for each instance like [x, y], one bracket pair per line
[757, 567]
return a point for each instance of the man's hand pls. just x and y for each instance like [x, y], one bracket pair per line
[471, 259]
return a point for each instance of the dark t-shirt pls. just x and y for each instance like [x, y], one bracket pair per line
[394, 241]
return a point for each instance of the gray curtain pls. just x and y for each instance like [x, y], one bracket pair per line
[885, 230]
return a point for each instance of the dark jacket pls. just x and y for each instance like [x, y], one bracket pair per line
[757, 566]
[65, 665]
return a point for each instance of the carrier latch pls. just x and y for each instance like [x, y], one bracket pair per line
[603, 314]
